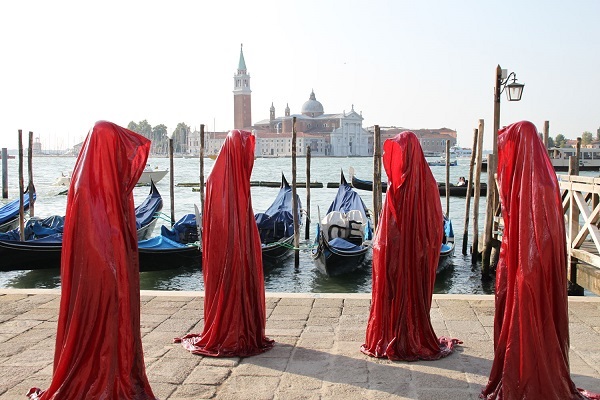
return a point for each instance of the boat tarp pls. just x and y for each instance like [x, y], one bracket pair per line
[406, 250]
[234, 301]
[11, 209]
[347, 200]
[531, 322]
[180, 232]
[277, 221]
[343, 244]
[146, 212]
[99, 314]
[160, 242]
[36, 228]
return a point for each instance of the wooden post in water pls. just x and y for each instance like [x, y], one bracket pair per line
[469, 191]
[490, 212]
[546, 133]
[21, 189]
[171, 183]
[201, 168]
[307, 219]
[447, 178]
[477, 177]
[574, 160]
[4, 173]
[295, 200]
[30, 187]
[377, 196]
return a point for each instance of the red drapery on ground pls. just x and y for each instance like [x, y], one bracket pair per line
[98, 342]
[406, 251]
[234, 303]
[531, 326]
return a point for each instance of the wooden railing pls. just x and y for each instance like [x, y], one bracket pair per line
[581, 206]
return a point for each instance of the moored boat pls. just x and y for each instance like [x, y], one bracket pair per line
[447, 250]
[276, 226]
[344, 234]
[9, 213]
[455, 190]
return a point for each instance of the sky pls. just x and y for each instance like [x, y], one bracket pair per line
[414, 64]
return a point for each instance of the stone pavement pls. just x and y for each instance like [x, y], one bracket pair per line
[316, 355]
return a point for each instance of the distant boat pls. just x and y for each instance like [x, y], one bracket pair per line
[589, 159]
[442, 163]
[148, 175]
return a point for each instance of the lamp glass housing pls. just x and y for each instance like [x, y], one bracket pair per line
[514, 91]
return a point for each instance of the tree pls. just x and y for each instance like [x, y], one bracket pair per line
[180, 135]
[586, 138]
[159, 139]
[598, 134]
[560, 140]
[550, 142]
[132, 126]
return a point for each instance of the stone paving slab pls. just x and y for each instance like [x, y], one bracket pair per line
[316, 355]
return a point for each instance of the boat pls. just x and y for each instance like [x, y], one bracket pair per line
[460, 152]
[447, 250]
[276, 226]
[146, 213]
[152, 175]
[455, 190]
[148, 175]
[43, 237]
[344, 234]
[9, 213]
[589, 158]
[442, 163]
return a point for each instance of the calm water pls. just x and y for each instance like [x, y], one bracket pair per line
[462, 277]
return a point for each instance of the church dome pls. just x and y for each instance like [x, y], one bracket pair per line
[312, 107]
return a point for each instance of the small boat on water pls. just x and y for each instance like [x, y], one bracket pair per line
[442, 163]
[447, 250]
[276, 226]
[43, 237]
[455, 190]
[344, 234]
[148, 175]
[9, 213]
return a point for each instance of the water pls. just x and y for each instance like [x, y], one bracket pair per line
[462, 277]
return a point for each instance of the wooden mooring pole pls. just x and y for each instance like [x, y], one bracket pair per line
[377, 196]
[447, 178]
[546, 133]
[172, 182]
[202, 168]
[477, 177]
[465, 242]
[30, 186]
[21, 189]
[307, 219]
[295, 200]
[4, 173]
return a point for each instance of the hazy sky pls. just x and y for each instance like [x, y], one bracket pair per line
[415, 64]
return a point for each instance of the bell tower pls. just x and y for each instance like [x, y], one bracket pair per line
[242, 106]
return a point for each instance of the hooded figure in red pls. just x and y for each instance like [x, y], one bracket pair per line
[98, 350]
[406, 250]
[234, 302]
[531, 323]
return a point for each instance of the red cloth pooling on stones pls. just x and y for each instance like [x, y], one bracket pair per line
[234, 302]
[531, 326]
[406, 250]
[98, 350]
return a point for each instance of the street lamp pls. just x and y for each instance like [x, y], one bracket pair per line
[514, 93]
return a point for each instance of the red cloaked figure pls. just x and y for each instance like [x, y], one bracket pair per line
[98, 352]
[531, 323]
[406, 250]
[234, 302]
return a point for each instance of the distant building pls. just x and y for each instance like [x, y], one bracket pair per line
[336, 135]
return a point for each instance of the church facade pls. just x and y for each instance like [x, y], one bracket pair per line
[334, 135]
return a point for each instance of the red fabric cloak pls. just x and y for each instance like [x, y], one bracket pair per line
[406, 250]
[531, 323]
[234, 302]
[98, 350]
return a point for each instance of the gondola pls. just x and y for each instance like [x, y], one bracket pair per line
[276, 226]
[343, 234]
[455, 190]
[146, 213]
[9, 213]
[447, 250]
[43, 237]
